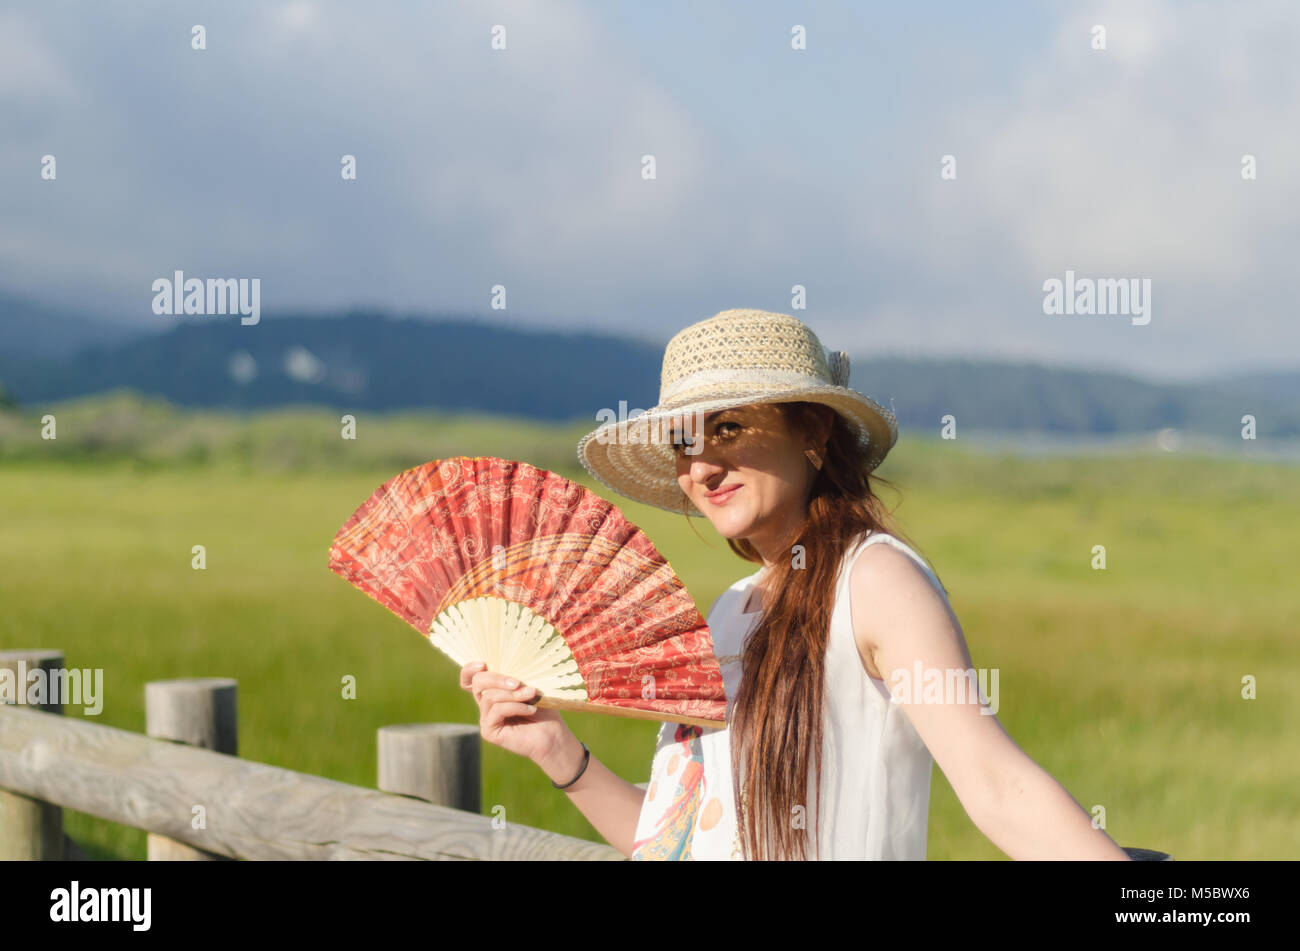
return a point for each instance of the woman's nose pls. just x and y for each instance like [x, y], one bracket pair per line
[702, 469]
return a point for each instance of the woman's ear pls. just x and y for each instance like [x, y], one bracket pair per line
[826, 419]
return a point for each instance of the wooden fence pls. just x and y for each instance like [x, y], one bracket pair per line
[184, 784]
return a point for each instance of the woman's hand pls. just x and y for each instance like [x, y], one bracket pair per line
[506, 720]
[610, 803]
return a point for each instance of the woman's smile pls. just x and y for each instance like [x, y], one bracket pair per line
[721, 495]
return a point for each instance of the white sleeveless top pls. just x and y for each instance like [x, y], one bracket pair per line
[876, 770]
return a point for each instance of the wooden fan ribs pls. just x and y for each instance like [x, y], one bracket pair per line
[615, 636]
[456, 529]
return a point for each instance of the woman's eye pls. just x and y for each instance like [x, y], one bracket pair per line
[726, 430]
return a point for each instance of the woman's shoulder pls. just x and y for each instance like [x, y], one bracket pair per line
[885, 539]
[873, 537]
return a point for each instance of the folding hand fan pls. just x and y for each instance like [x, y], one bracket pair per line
[542, 579]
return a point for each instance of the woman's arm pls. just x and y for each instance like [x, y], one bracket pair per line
[1038, 819]
[899, 619]
[610, 803]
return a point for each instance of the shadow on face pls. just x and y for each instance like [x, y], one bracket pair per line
[754, 449]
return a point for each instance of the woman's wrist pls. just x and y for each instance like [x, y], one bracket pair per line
[563, 761]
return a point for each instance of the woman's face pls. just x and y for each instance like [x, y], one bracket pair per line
[760, 467]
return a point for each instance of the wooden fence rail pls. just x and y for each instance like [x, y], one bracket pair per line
[248, 810]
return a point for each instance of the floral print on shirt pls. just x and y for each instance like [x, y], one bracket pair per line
[682, 778]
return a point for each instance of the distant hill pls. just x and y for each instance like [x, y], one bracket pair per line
[367, 361]
[1031, 397]
[31, 331]
[359, 361]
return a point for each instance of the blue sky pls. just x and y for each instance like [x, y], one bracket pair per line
[775, 167]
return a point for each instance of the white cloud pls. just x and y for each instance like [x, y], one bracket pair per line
[1117, 163]
[30, 71]
[522, 167]
[1127, 160]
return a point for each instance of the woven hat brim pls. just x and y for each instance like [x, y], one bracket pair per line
[646, 471]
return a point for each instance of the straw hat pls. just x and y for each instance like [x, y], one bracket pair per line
[735, 358]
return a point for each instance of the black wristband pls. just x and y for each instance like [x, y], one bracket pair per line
[586, 757]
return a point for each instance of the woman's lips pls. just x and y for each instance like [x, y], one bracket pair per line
[721, 497]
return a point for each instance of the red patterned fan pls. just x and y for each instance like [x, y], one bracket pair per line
[542, 579]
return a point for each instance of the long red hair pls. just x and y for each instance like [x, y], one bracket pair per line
[776, 726]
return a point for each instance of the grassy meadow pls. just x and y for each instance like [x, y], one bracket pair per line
[1125, 684]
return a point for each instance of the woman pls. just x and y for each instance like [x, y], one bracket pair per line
[827, 752]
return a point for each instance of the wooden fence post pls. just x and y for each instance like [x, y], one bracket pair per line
[30, 829]
[196, 711]
[436, 762]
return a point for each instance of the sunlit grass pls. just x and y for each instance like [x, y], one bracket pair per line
[1125, 684]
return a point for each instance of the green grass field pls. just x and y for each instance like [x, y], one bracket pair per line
[1125, 684]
